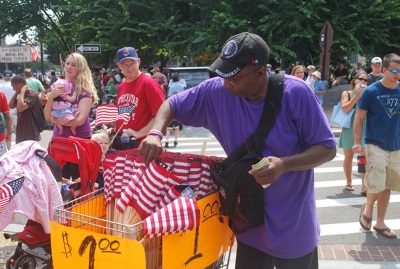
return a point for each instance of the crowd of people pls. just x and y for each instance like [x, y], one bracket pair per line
[300, 140]
[370, 132]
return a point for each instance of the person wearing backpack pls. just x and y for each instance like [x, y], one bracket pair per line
[28, 105]
[230, 106]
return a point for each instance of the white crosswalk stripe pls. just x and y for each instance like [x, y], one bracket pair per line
[194, 144]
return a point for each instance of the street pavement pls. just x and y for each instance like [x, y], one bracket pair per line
[343, 244]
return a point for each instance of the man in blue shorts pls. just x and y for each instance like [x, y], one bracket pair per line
[230, 106]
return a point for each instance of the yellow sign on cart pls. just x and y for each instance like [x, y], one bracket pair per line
[77, 248]
[203, 245]
[84, 243]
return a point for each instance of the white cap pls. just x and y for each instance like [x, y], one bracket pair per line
[317, 74]
[376, 60]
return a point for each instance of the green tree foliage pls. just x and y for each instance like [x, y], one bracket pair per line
[185, 29]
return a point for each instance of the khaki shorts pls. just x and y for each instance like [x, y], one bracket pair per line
[383, 169]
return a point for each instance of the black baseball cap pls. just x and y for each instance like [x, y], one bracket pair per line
[239, 51]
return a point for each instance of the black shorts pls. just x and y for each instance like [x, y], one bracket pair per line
[249, 257]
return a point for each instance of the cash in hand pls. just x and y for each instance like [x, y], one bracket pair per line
[263, 163]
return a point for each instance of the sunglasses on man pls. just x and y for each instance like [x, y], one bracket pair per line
[393, 71]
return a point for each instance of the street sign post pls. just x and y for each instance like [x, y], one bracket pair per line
[87, 48]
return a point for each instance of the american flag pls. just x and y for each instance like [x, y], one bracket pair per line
[108, 114]
[147, 188]
[8, 190]
[181, 215]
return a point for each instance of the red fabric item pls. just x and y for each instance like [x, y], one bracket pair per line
[33, 233]
[3, 108]
[146, 190]
[181, 166]
[194, 176]
[169, 197]
[151, 188]
[180, 215]
[130, 193]
[108, 175]
[119, 173]
[84, 152]
[206, 183]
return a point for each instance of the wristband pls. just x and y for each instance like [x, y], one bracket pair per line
[156, 132]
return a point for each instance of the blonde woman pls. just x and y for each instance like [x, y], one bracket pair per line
[298, 71]
[77, 72]
[348, 100]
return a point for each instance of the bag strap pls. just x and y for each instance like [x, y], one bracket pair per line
[350, 99]
[339, 101]
[53, 164]
[271, 108]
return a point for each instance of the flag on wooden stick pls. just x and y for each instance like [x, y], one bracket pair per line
[107, 114]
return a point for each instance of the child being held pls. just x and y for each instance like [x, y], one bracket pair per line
[104, 141]
[62, 109]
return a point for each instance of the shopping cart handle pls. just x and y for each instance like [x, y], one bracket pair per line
[53, 164]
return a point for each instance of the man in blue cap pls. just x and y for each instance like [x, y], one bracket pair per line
[139, 95]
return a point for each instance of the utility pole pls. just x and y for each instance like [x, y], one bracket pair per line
[325, 43]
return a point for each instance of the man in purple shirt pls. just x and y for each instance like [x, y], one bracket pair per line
[230, 107]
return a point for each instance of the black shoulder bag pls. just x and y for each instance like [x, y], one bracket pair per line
[241, 197]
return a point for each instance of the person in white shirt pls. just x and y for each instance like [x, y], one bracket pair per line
[7, 89]
[310, 71]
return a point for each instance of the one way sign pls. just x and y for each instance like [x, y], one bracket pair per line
[87, 48]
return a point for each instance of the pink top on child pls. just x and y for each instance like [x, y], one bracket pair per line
[62, 108]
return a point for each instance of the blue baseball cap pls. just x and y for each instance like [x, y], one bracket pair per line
[7, 73]
[127, 53]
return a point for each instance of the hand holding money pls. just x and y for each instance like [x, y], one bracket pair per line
[264, 163]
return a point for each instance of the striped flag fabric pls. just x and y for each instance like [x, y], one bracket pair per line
[107, 114]
[8, 190]
[147, 188]
[181, 215]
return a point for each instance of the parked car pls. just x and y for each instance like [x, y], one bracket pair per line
[192, 75]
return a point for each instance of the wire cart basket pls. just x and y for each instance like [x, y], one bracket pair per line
[82, 233]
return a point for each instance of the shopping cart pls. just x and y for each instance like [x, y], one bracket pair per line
[82, 236]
